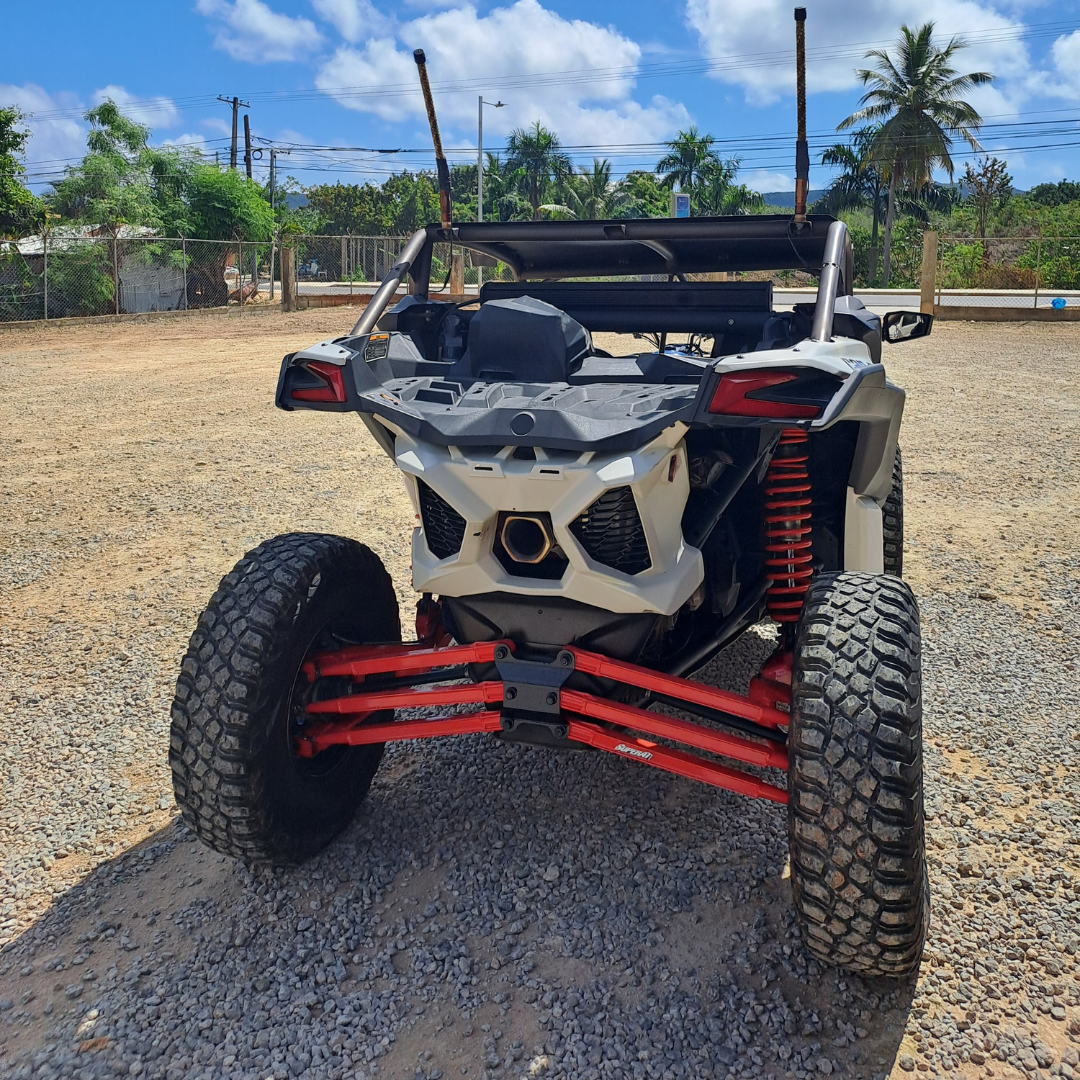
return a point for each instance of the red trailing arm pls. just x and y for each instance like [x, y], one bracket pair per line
[681, 731]
[359, 661]
[676, 761]
[311, 743]
[697, 693]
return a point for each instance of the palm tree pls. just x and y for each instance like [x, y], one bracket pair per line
[591, 194]
[503, 200]
[716, 192]
[689, 156]
[862, 182]
[537, 154]
[918, 98]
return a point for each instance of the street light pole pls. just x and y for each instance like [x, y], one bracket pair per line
[480, 103]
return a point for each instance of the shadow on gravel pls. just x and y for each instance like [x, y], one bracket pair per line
[493, 911]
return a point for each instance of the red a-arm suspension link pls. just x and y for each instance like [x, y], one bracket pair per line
[343, 721]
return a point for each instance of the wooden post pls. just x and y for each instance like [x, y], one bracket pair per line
[288, 276]
[929, 271]
[116, 274]
[457, 273]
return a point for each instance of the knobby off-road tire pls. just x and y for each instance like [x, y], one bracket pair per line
[239, 695]
[855, 781]
[892, 521]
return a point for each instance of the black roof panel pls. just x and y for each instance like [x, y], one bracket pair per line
[561, 249]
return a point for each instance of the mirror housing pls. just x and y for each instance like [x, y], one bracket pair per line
[898, 326]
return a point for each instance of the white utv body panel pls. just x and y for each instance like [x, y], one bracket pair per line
[864, 534]
[480, 484]
[563, 484]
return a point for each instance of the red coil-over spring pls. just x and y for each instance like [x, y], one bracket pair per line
[788, 554]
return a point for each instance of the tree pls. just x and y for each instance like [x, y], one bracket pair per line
[988, 187]
[690, 155]
[503, 200]
[226, 205]
[646, 196]
[223, 205]
[1055, 194]
[20, 211]
[111, 186]
[862, 183]
[918, 99]
[591, 193]
[345, 208]
[716, 192]
[463, 190]
[537, 156]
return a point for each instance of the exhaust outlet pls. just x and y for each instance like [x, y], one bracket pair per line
[526, 537]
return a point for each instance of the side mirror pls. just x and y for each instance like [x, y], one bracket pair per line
[900, 326]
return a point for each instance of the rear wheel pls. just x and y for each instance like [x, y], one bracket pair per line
[892, 521]
[240, 697]
[858, 868]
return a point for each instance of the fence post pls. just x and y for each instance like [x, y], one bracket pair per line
[457, 273]
[116, 274]
[273, 245]
[183, 249]
[1038, 268]
[288, 276]
[929, 271]
[45, 268]
[240, 275]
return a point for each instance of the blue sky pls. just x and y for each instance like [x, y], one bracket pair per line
[613, 79]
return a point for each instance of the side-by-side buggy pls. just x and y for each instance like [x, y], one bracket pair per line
[591, 529]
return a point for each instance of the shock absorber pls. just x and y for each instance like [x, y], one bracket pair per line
[788, 543]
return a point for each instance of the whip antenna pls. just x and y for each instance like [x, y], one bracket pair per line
[802, 151]
[441, 168]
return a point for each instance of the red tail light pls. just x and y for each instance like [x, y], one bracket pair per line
[334, 390]
[733, 396]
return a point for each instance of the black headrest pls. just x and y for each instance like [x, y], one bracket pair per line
[524, 339]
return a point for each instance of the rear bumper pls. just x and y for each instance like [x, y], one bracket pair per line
[480, 485]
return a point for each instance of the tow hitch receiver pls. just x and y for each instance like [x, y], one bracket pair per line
[530, 701]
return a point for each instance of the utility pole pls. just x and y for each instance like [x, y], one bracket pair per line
[235, 103]
[480, 151]
[273, 175]
[247, 146]
[480, 168]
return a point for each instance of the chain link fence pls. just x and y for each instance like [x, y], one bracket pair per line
[61, 276]
[1009, 271]
[355, 265]
[70, 274]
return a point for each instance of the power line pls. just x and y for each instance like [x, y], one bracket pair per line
[710, 65]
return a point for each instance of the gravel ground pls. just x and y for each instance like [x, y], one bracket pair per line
[495, 910]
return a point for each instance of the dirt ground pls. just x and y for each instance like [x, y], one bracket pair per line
[141, 459]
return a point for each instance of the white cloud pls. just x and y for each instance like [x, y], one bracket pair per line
[189, 139]
[250, 31]
[354, 20]
[765, 180]
[57, 132]
[838, 32]
[216, 123]
[1064, 80]
[155, 112]
[488, 52]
